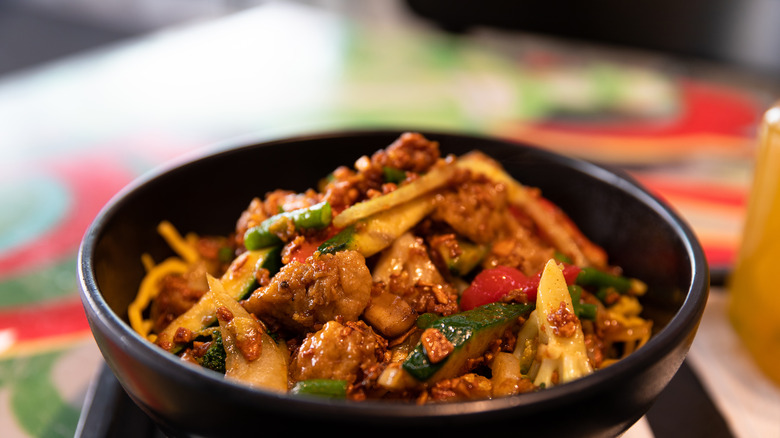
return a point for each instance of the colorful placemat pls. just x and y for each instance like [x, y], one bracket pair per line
[73, 133]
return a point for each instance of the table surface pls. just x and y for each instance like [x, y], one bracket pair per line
[74, 132]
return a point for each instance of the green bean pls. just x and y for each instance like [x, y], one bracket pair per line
[267, 233]
[581, 310]
[600, 279]
[321, 387]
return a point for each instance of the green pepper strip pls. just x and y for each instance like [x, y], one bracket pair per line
[426, 319]
[264, 235]
[561, 257]
[321, 387]
[393, 175]
[600, 279]
[582, 310]
[340, 242]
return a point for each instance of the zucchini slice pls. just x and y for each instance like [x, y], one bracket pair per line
[238, 282]
[470, 333]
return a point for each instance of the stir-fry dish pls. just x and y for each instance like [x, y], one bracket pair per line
[408, 276]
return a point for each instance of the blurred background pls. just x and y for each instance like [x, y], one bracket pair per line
[742, 34]
[94, 93]
[672, 92]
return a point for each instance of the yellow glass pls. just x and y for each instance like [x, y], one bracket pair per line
[754, 288]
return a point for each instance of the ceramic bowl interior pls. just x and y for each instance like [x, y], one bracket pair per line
[207, 194]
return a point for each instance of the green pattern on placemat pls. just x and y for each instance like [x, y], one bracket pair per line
[34, 400]
[45, 282]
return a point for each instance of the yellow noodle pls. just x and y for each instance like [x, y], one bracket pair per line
[626, 311]
[634, 330]
[147, 261]
[185, 247]
[150, 287]
[182, 246]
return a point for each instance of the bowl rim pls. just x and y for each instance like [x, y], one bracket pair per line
[677, 328]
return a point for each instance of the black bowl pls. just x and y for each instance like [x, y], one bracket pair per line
[206, 195]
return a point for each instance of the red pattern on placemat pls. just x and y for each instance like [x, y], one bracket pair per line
[92, 181]
[44, 319]
[704, 108]
[705, 191]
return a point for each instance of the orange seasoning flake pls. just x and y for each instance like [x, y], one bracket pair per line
[563, 321]
[224, 314]
[437, 346]
[182, 336]
[248, 337]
